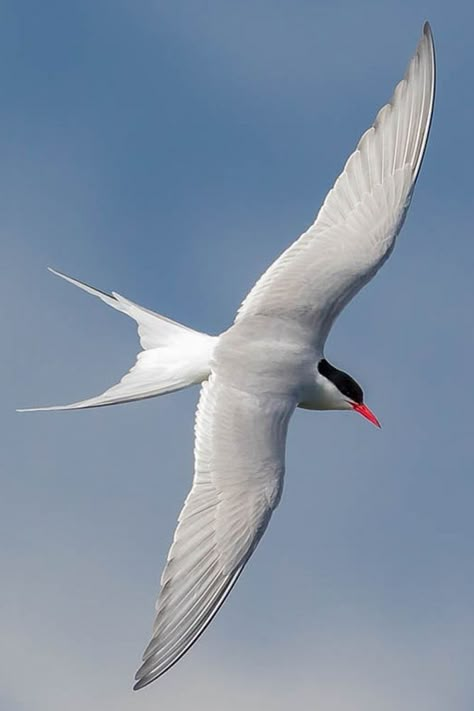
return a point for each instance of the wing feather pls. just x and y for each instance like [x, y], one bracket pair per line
[356, 227]
[239, 465]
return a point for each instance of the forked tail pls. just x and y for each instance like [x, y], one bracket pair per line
[173, 356]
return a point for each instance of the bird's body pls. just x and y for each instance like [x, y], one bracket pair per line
[270, 361]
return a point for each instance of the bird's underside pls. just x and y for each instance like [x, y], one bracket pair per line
[256, 373]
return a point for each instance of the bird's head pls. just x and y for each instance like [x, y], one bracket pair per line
[341, 392]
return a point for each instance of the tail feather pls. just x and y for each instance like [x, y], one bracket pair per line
[173, 358]
[154, 330]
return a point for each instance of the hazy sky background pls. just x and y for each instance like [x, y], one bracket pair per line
[170, 151]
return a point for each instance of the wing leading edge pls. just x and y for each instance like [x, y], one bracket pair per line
[356, 227]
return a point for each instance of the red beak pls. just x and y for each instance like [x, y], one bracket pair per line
[365, 412]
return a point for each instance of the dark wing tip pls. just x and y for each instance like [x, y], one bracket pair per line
[427, 30]
[140, 684]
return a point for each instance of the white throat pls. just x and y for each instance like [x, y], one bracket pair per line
[322, 394]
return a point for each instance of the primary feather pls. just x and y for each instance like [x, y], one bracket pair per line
[239, 465]
[355, 229]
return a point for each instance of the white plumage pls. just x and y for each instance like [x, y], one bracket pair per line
[355, 229]
[240, 434]
[269, 362]
[173, 356]
[224, 515]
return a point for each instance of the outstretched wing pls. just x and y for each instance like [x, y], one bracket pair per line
[356, 227]
[239, 466]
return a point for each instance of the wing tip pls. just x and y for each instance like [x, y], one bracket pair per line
[143, 678]
[140, 684]
[427, 36]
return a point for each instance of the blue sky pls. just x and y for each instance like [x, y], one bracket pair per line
[170, 151]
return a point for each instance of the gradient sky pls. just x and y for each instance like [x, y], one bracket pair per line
[170, 151]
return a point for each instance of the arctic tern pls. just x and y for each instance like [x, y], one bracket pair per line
[270, 361]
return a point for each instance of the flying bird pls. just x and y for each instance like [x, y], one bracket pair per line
[270, 361]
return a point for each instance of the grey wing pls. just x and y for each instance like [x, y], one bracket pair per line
[356, 227]
[239, 466]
